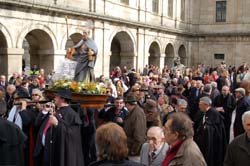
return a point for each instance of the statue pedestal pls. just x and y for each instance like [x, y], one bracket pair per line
[85, 100]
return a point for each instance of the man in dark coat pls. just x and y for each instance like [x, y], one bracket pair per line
[225, 104]
[59, 138]
[24, 116]
[134, 126]
[194, 95]
[210, 134]
[238, 152]
[116, 113]
[243, 105]
[11, 141]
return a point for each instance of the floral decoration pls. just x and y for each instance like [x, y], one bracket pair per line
[78, 87]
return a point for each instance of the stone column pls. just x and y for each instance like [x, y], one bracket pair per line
[162, 60]
[14, 60]
[59, 56]
[142, 58]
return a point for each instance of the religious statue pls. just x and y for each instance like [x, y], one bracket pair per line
[178, 66]
[86, 51]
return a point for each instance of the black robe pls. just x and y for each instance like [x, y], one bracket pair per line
[210, 137]
[28, 118]
[228, 103]
[63, 142]
[11, 144]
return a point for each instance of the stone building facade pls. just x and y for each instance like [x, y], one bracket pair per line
[129, 33]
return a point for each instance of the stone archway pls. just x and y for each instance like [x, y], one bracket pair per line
[182, 54]
[38, 50]
[154, 54]
[169, 58]
[122, 51]
[3, 55]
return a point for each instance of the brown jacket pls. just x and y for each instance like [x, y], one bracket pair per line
[189, 154]
[135, 129]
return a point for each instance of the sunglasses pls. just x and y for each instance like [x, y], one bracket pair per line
[48, 106]
[35, 95]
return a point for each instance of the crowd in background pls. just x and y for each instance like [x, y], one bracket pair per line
[170, 116]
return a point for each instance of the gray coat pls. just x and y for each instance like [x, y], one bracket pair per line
[189, 154]
[159, 157]
[135, 129]
[238, 152]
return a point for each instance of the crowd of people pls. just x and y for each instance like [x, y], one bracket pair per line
[174, 116]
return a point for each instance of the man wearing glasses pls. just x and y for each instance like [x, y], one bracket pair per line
[154, 151]
[23, 114]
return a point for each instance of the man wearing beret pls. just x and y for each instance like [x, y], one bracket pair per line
[210, 135]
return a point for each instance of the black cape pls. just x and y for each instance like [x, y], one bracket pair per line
[63, 142]
[11, 144]
[211, 137]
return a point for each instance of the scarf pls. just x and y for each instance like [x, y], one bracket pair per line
[171, 153]
[15, 117]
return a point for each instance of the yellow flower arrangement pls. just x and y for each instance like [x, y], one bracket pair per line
[78, 87]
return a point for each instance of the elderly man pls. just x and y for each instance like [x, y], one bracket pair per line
[154, 151]
[24, 117]
[3, 82]
[242, 105]
[210, 134]
[134, 126]
[225, 104]
[10, 96]
[179, 133]
[181, 106]
[238, 152]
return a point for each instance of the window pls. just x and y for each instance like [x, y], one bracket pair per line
[170, 8]
[155, 6]
[221, 7]
[182, 9]
[126, 2]
[219, 56]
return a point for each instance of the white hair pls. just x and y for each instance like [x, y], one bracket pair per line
[214, 84]
[245, 116]
[186, 78]
[182, 102]
[157, 130]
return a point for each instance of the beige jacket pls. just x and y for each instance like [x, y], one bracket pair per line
[189, 154]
